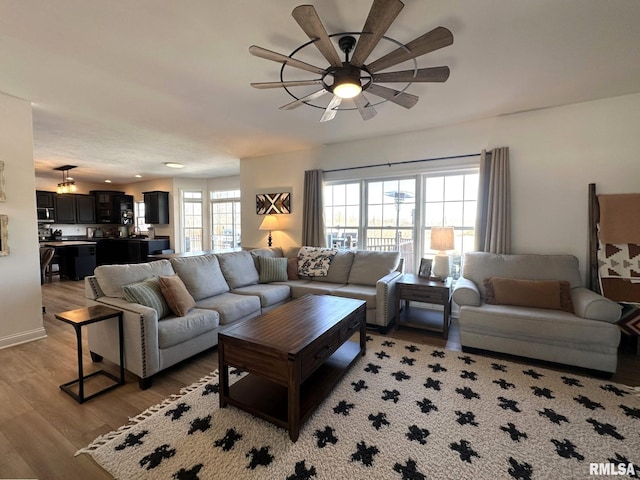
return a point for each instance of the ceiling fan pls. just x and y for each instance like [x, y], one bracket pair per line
[351, 78]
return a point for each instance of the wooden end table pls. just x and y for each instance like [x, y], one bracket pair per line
[418, 289]
[84, 316]
[295, 354]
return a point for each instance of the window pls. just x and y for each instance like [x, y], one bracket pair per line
[342, 214]
[192, 218]
[396, 214]
[390, 217]
[225, 219]
[450, 201]
[140, 222]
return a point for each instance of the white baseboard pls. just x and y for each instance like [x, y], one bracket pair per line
[22, 337]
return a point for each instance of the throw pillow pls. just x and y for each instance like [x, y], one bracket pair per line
[147, 293]
[315, 261]
[550, 294]
[292, 269]
[273, 269]
[176, 294]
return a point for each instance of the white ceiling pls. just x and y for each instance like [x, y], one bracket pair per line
[121, 87]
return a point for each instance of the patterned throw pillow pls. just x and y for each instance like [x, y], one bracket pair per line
[315, 261]
[273, 269]
[176, 294]
[147, 293]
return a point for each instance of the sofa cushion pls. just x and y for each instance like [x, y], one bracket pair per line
[339, 268]
[147, 293]
[111, 278]
[272, 269]
[232, 307]
[370, 266]
[256, 253]
[201, 274]
[481, 265]
[300, 288]
[269, 295]
[176, 294]
[238, 269]
[175, 330]
[315, 261]
[361, 292]
[550, 294]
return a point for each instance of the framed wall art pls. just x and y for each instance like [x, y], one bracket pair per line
[4, 236]
[273, 203]
[3, 195]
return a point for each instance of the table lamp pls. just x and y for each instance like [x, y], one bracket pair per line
[441, 240]
[269, 223]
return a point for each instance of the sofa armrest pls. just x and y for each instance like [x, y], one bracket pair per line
[466, 292]
[385, 298]
[588, 304]
[140, 324]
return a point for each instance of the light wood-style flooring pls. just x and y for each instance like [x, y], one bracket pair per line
[42, 427]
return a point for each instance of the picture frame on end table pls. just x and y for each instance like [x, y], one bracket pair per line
[425, 268]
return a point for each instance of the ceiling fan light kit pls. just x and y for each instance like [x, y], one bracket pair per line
[350, 79]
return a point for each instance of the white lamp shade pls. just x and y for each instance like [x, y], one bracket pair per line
[442, 238]
[269, 223]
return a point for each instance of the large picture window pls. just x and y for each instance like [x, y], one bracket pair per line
[397, 213]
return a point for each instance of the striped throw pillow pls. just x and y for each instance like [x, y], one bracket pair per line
[273, 269]
[147, 293]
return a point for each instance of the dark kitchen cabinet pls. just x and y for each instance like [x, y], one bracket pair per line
[85, 209]
[65, 208]
[106, 211]
[122, 250]
[75, 208]
[45, 199]
[123, 208]
[156, 207]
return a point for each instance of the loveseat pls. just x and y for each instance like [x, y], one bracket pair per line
[174, 309]
[535, 306]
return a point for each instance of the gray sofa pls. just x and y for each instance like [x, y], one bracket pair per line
[587, 338]
[226, 289]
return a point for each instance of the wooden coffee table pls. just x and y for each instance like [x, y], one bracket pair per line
[295, 354]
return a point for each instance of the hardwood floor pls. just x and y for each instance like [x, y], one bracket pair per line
[42, 427]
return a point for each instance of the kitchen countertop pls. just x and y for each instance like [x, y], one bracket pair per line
[66, 243]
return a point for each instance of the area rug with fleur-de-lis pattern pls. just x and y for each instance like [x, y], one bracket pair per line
[404, 412]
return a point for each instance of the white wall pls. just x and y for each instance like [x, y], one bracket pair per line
[20, 295]
[555, 153]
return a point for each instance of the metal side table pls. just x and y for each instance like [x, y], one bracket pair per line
[85, 316]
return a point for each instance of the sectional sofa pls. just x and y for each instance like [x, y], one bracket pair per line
[174, 309]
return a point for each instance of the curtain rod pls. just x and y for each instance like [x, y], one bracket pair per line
[403, 162]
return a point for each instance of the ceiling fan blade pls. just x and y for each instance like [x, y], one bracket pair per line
[367, 112]
[294, 83]
[433, 74]
[405, 100]
[310, 22]
[308, 98]
[381, 16]
[331, 109]
[435, 39]
[278, 57]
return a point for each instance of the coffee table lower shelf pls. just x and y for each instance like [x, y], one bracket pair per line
[269, 400]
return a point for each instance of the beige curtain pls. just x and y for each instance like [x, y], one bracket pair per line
[313, 233]
[493, 220]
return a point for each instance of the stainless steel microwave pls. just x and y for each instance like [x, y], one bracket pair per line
[45, 215]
